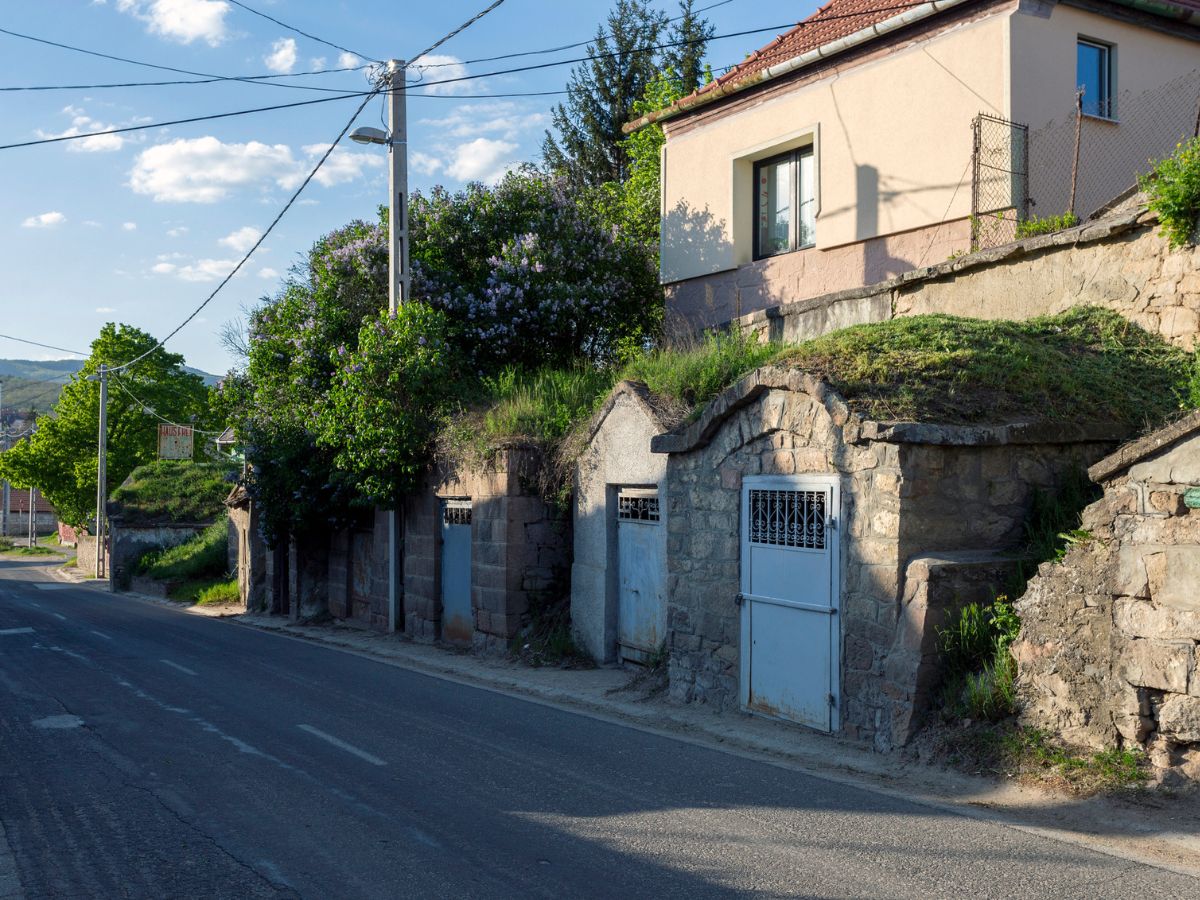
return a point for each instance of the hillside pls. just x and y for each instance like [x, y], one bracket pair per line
[37, 382]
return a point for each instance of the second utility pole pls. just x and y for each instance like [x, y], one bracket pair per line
[102, 471]
[398, 289]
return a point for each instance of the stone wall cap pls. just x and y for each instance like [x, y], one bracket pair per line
[1137, 450]
[640, 394]
[238, 498]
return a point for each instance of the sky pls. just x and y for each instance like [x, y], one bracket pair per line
[139, 228]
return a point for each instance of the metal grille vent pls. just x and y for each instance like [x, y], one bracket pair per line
[788, 519]
[457, 512]
[634, 508]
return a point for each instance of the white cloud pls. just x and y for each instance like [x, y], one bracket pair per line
[342, 166]
[440, 67]
[317, 62]
[505, 120]
[91, 223]
[45, 220]
[347, 61]
[105, 309]
[178, 231]
[129, 226]
[241, 240]
[181, 20]
[424, 164]
[282, 57]
[482, 159]
[81, 123]
[200, 270]
[267, 272]
[205, 170]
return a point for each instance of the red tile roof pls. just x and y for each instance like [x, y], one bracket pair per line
[836, 19]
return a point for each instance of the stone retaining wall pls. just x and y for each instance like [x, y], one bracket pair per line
[1120, 262]
[1109, 650]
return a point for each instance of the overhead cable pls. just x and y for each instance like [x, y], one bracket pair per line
[311, 37]
[291, 200]
[9, 337]
[461, 28]
[149, 410]
[215, 79]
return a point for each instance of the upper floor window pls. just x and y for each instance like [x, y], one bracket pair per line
[1094, 76]
[784, 203]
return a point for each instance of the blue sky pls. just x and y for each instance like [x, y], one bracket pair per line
[139, 228]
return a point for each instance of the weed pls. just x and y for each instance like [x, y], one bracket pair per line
[547, 640]
[204, 556]
[172, 492]
[978, 668]
[1045, 224]
[7, 546]
[205, 591]
[1174, 191]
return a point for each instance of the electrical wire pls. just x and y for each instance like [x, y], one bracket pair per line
[149, 410]
[206, 118]
[215, 79]
[292, 28]
[291, 200]
[461, 28]
[248, 79]
[10, 337]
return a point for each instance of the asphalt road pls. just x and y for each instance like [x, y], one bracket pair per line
[148, 753]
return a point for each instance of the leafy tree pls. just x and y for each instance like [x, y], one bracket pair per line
[60, 457]
[601, 93]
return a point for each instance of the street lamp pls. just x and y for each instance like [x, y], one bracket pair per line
[367, 135]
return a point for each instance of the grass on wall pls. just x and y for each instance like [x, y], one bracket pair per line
[169, 491]
[204, 556]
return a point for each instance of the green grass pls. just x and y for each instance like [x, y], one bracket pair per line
[8, 546]
[172, 492]
[1174, 193]
[1084, 365]
[542, 406]
[205, 591]
[204, 556]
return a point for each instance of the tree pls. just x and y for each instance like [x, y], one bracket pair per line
[690, 34]
[60, 457]
[600, 96]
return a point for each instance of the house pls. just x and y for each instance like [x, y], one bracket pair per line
[16, 518]
[1110, 636]
[878, 137]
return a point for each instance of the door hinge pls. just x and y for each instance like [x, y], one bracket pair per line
[832, 700]
[738, 599]
[831, 523]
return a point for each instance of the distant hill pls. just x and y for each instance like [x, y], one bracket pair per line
[33, 382]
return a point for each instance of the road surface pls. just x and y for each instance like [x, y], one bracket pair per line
[145, 752]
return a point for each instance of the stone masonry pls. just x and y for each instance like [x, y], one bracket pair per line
[923, 506]
[1109, 650]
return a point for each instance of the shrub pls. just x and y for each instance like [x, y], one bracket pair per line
[1174, 190]
[204, 555]
[1036, 225]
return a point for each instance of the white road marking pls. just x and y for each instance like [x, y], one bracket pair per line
[342, 745]
[52, 586]
[16, 631]
[59, 616]
[101, 634]
[58, 722]
[183, 669]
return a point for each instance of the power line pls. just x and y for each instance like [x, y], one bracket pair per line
[215, 79]
[251, 79]
[149, 410]
[207, 118]
[461, 28]
[10, 337]
[291, 200]
[311, 37]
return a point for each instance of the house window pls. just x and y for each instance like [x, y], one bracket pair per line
[784, 203]
[1093, 76]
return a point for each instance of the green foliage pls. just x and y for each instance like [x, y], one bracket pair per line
[1035, 225]
[544, 405]
[1174, 191]
[1105, 770]
[8, 546]
[378, 418]
[1084, 365]
[60, 458]
[173, 491]
[204, 556]
[1192, 398]
[219, 592]
[977, 666]
[694, 374]
[1053, 524]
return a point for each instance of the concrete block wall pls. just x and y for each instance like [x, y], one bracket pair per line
[127, 544]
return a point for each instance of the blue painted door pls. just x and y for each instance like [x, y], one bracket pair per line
[641, 575]
[458, 619]
[790, 630]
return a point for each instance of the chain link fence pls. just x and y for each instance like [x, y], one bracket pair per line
[1077, 163]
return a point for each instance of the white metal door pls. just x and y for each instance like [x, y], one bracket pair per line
[790, 598]
[458, 620]
[642, 575]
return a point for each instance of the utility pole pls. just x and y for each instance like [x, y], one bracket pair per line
[102, 471]
[32, 529]
[399, 283]
[5, 505]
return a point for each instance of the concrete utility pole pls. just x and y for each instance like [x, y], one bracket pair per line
[399, 284]
[102, 471]
[32, 529]
[5, 505]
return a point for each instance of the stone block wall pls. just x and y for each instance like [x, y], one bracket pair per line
[1120, 262]
[358, 571]
[128, 544]
[519, 549]
[248, 556]
[1109, 650]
